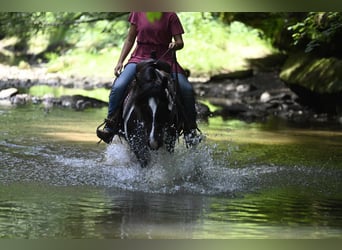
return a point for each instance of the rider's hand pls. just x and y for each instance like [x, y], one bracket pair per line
[173, 45]
[117, 69]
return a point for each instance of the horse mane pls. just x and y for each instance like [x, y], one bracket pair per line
[149, 82]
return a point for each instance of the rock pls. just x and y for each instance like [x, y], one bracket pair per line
[20, 99]
[79, 102]
[48, 102]
[268, 63]
[240, 74]
[203, 111]
[265, 97]
[320, 75]
[252, 97]
[340, 120]
[243, 88]
[320, 102]
[11, 76]
[232, 110]
[8, 93]
[317, 81]
[24, 65]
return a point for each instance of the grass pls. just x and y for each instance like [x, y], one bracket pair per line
[80, 62]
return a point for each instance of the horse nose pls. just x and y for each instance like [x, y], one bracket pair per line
[153, 144]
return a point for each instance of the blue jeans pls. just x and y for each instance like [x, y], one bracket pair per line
[121, 83]
[119, 88]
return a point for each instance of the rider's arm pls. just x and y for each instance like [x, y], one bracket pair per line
[128, 44]
[178, 43]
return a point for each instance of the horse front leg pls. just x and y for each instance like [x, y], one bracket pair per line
[170, 137]
[138, 144]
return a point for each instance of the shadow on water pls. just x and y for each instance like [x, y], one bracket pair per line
[242, 182]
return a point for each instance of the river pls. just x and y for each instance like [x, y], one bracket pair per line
[270, 180]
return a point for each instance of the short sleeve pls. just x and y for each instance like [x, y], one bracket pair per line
[133, 18]
[176, 27]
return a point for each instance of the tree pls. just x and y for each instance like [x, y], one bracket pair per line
[56, 25]
[319, 33]
[21, 25]
[273, 25]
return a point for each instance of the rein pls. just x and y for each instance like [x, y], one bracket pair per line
[167, 51]
[176, 100]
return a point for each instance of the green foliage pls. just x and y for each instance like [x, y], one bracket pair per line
[271, 24]
[22, 25]
[95, 37]
[317, 29]
[58, 26]
[51, 56]
[91, 42]
[212, 46]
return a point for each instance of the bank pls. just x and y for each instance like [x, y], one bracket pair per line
[252, 95]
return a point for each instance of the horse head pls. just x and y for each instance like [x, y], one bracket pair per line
[153, 101]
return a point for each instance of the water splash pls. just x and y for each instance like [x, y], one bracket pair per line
[186, 170]
[195, 171]
[166, 173]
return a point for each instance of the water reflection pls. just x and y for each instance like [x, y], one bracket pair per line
[38, 211]
[54, 184]
[74, 212]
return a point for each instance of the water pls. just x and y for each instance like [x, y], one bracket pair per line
[245, 181]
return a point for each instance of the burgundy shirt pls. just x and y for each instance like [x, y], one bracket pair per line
[155, 36]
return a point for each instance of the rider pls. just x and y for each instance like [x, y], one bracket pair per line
[160, 37]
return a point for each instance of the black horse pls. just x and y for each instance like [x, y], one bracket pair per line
[151, 115]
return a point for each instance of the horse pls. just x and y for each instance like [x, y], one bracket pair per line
[150, 113]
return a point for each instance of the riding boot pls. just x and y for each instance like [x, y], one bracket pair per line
[106, 134]
[110, 129]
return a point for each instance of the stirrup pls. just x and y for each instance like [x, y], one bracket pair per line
[107, 137]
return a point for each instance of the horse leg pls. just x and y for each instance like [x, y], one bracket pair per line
[170, 137]
[137, 141]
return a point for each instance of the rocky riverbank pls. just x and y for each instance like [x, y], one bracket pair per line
[23, 78]
[257, 96]
[250, 95]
